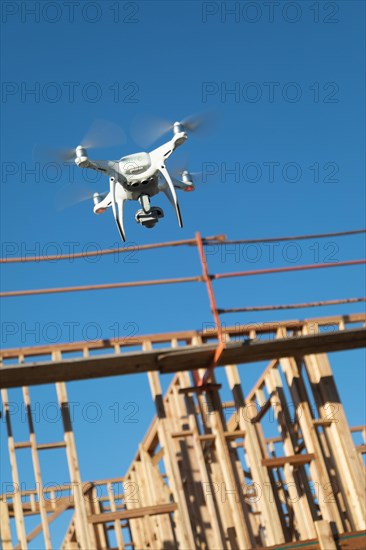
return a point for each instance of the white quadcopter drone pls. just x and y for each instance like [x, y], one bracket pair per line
[139, 177]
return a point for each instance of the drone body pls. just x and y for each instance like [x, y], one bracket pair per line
[139, 177]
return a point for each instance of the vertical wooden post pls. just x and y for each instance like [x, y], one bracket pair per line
[232, 484]
[18, 507]
[84, 532]
[136, 525]
[267, 506]
[101, 535]
[155, 495]
[303, 516]
[117, 522]
[206, 515]
[184, 530]
[5, 535]
[37, 471]
[318, 468]
[338, 435]
[325, 535]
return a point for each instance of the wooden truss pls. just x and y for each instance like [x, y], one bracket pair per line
[206, 475]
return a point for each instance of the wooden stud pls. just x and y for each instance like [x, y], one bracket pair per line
[183, 527]
[19, 516]
[338, 435]
[325, 536]
[37, 471]
[254, 455]
[84, 534]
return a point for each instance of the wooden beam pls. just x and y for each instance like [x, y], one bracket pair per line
[187, 335]
[54, 515]
[37, 471]
[5, 535]
[84, 535]
[350, 470]
[186, 359]
[264, 408]
[294, 460]
[200, 389]
[354, 540]
[185, 536]
[133, 513]
[324, 534]
[254, 448]
[17, 502]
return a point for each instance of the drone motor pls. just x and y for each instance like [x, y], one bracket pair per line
[81, 156]
[97, 198]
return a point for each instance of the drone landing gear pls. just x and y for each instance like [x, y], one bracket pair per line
[148, 216]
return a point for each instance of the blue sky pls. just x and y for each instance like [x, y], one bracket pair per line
[288, 89]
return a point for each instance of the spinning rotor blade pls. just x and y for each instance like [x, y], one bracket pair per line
[72, 194]
[200, 122]
[147, 129]
[179, 166]
[46, 154]
[178, 162]
[197, 177]
[101, 134]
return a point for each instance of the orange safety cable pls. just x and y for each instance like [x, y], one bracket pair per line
[292, 306]
[99, 287]
[285, 269]
[221, 345]
[207, 280]
[216, 240]
[296, 238]
[128, 248]
[177, 280]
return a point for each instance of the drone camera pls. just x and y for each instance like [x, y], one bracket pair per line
[149, 219]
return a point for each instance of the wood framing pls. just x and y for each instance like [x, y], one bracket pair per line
[276, 468]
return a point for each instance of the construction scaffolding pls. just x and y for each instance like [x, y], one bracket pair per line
[205, 475]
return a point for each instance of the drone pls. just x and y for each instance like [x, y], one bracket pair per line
[139, 177]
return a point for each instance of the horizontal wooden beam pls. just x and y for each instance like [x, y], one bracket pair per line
[236, 331]
[200, 389]
[346, 541]
[172, 360]
[134, 513]
[294, 460]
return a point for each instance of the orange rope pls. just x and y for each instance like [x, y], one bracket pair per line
[293, 306]
[177, 280]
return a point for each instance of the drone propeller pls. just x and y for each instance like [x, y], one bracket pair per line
[72, 194]
[147, 129]
[101, 134]
[195, 177]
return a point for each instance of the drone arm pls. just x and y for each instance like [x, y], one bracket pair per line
[104, 166]
[164, 151]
